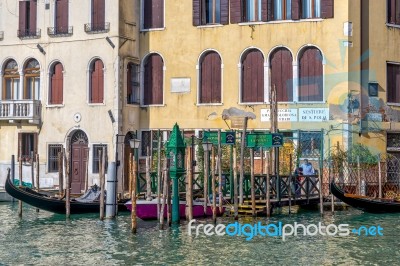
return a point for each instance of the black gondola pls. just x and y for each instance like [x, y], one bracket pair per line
[53, 204]
[364, 203]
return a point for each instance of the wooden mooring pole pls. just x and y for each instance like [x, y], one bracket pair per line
[242, 146]
[87, 170]
[20, 177]
[290, 184]
[235, 185]
[133, 195]
[253, 195]
[321, 196]
[164, 194]
[148, 178]
[379, 177]
[158, 174]
[219, 164]
[60, 175]
[67, 185]
[205, 180]
[358, 176]
[37, 176]
[267, 181]
[214, 200]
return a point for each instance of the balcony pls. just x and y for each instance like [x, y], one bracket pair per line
[1, 35]
[92, 28]
[60, 31]
[20, 110]
[29, 34]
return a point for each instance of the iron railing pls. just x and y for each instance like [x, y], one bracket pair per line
[97, 27]
[59, 31]
[29, 34]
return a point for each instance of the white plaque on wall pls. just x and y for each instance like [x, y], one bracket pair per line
[284, 115]
[313, 114]
[180, 85]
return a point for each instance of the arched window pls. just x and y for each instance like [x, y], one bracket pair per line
[311, 81]
[96, 87]
[210, 78]
[32, 80]
[56, 84]
[11, 81]
[282, 74]
[153, 80]
[253, 77]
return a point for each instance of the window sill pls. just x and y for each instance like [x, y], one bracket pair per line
[54, 105]
[252, 23]
[209, 26]
[281, 21]
[96, 104]
[255, 103]
[210, 104]
[153, 29]
[393, 25]
[393, 104]
[133, 104]
[153, 105]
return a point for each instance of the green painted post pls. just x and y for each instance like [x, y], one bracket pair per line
[176, 153]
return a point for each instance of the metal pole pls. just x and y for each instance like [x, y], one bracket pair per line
[111, 203]
[148, 178]
[358, 176]
[20, 176]
[164, 194]
[321, 200]
[102, 183]
[290, 183]
[13, 168]
[67, 185]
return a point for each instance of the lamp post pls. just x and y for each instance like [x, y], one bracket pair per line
[176, 155]
[134, 143]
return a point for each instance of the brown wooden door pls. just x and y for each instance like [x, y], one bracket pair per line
[78, 167]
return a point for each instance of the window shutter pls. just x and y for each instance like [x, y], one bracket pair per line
[22, 17]
[270, 10]
[100, 77]
[236, 11]
[57, 85]
[196, 12]
[224, 12]
[19, 145]
[147, 81]
[33, 12]
[157, 90]
[296, 4]
[62, 16]
[264, 10]
[158, 13]
[147, 14]
[129, 83]
[253, 77]
[391, 11]
[327, 8]
[397, 12]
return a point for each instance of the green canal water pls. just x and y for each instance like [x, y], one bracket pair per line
[48, 239]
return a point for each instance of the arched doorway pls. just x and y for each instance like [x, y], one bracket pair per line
[79, 159]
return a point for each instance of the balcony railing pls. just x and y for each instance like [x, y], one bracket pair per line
[20, 110]
[1, 35]
[29, 34]
[97, 28]
[60, 31]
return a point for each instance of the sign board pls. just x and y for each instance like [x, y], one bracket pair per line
[227, 138]
[313, 114]
[264, 140]
[284, 115]
[180, 85]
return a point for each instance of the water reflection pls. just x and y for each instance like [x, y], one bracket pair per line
[48, 239]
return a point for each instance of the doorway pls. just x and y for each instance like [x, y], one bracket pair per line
[79, 160]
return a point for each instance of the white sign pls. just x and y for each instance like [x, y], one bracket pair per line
[313, 114]
[180, 85]
[284, 115]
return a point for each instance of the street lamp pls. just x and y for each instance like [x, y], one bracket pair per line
[176, 154]
[134, 143]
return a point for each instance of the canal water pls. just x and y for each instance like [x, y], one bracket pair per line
[44, 238]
